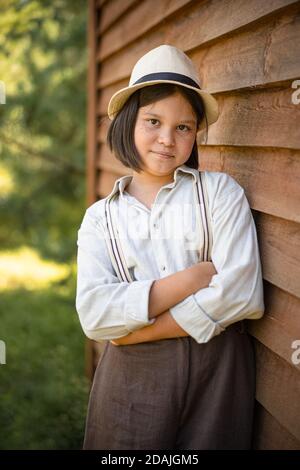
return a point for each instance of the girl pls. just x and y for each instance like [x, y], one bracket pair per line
[177, 371]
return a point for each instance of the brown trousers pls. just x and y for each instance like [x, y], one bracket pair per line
[174, 394]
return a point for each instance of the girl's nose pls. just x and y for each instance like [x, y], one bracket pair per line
[166, 137]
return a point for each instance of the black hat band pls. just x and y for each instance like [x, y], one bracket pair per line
[174, 77]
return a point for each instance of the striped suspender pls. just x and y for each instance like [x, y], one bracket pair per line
[113, 241]
[114, 245]
[205, 218]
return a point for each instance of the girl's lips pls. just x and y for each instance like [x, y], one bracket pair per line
[164, 155]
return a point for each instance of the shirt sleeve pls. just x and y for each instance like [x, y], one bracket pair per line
[107, 308]
[236, 291]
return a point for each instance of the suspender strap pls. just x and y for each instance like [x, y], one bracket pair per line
[114, 245]
[206, 223]
[208, 217]
[113, 241]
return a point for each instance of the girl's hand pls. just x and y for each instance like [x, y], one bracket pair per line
[211, 270]
[136, 336]
[200, 274]
[121, 341]
[164, 327]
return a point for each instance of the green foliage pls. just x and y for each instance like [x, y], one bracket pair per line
[42, 385]
[43, 62]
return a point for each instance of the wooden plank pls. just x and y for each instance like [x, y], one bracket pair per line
[107, 161]
[263, 54]
[279, 244]
[91, 108]
[183, 29]
[278, 389]
[218, 21]
[105, 183]
[101, 3]
[91, 143]
[269, 434]
[102, 130]
[106, 93]
[118, 66]
[112, 11]
[238, 65]
[89, 359]
[136, 22]
[270, 177]
[280, 325]
[98, 351]
[260, 118]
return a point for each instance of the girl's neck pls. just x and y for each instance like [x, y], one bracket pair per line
[149, 183]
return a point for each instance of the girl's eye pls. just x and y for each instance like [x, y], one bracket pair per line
[182, 127]
[186, 127]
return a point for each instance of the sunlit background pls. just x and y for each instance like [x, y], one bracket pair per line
[43, 62]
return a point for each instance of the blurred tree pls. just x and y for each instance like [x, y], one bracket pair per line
[43, 61]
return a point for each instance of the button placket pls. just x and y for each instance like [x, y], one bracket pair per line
[155, 226]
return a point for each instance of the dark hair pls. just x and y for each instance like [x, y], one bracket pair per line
[120, 136]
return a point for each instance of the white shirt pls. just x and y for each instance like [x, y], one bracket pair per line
[162, 241]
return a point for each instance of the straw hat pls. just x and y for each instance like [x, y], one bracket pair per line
[164, 64]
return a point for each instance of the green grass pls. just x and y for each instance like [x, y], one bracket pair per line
[43, 390]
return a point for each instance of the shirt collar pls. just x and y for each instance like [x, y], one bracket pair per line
[121, 183]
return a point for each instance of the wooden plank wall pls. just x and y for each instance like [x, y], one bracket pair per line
[247, 54]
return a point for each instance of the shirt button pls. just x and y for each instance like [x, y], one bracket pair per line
[163, 268]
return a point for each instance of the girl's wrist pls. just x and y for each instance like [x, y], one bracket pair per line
[199, 275]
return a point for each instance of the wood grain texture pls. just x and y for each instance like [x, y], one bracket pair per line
[107, 161]
[91, 143]
[113, 11]
[105, 95]
[279, 244]
[219, 21]
[278, 388]
[257, 118]
[101, 3]
[91, 108]
[269, 176]
[266, 53]
[105, 183]
[98, 350]
[130, 27]
[269, 434]
[280, 325]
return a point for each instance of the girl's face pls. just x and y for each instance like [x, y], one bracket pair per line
[164, 134]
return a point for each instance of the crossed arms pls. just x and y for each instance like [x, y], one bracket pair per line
[164, 294]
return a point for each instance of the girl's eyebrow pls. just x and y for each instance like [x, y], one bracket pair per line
[191, 121]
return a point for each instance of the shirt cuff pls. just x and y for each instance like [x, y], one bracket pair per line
[137, 305]
[195, 321]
